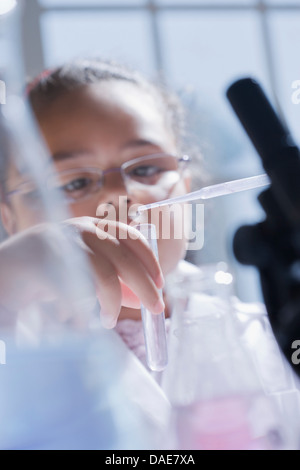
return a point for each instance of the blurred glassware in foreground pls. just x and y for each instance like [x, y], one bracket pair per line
[23, 148]
[6, 6]
[57, 389]
[65, 397]
[218, 402]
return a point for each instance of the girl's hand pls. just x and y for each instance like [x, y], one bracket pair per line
[125, 269]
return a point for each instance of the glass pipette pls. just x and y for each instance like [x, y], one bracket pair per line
[216, 190]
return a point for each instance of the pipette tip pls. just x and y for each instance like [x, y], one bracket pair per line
[141, 209]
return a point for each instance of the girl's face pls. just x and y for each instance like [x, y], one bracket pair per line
[103, 126]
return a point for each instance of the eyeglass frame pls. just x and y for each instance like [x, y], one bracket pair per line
[181, 159]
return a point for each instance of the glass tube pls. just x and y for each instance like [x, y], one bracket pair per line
[154, 325]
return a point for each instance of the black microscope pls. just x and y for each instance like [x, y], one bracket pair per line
[273, 245]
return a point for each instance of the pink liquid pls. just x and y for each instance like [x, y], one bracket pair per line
[220, 424]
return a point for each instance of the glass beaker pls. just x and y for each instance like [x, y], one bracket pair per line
[217, 399]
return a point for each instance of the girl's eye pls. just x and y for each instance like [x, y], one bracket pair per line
[76, 185]
[146, 171]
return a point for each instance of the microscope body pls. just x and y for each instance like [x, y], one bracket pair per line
[273, 245]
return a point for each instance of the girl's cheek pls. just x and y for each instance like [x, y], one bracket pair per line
[129, 299]
[171, 252]
[26, 218]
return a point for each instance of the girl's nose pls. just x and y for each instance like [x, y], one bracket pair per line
[114, 191]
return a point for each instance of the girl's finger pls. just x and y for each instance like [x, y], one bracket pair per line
[129, 268]
[133, 240]
[108, 290]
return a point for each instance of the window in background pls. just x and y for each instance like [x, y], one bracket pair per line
[283, 3]
[208, 2]
[84, 3]
[285, 27]
[212, 50]
[215, 49]
[124, 37]
[201, 46]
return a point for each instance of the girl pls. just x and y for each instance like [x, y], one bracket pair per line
[110, 133]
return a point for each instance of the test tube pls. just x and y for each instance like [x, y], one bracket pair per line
[154, 325]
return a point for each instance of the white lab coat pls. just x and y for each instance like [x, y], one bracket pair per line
[277, 379]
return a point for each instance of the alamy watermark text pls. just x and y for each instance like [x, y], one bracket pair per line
[2, 353]
[2, 92]
[296, 92]
[175, 222]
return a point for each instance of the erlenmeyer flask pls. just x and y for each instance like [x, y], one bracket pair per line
[218, 402]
